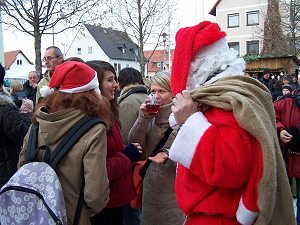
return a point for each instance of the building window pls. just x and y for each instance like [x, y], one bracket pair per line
[123, 51]
[233, 20]
[235, 46]
[252, 47]
[117, 67]
[253, 18]
[78, 51]
[90, 50]
[19, 62]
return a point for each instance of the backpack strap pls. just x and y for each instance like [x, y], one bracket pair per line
[80, 203]
[134, 90]
[32, 142]
[71, 137]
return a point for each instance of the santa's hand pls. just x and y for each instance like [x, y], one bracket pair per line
[183, 107]
[285, 136]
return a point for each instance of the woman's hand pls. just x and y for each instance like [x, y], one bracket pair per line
[133, 151]
[149, 109]
[160, 158]
[138, 146]
[285, 136]
[183, 107]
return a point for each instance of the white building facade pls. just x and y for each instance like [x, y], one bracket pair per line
[97, 43]
[243, 21]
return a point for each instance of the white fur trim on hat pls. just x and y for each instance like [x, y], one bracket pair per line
[213, 62]
[93, 84]
[45, 91]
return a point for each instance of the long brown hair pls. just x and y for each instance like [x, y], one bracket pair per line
[89, 102]
[100, 67]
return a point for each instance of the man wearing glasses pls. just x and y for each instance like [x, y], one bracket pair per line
[52, 58]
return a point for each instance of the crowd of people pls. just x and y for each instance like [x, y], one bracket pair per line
[228, 143]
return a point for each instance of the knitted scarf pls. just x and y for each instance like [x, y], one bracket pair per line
[251, 103]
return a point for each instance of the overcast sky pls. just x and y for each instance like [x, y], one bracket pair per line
[187, 15]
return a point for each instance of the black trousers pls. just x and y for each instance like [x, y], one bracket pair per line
[108, 216]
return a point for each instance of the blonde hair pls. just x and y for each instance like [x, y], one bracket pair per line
[162, 79]
[16, 85]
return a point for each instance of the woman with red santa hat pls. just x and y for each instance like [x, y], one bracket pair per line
[230, 167]
[76, 95]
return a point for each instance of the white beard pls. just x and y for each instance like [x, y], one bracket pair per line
[212, 63]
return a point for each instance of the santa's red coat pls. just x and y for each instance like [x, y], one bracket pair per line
[220, 166]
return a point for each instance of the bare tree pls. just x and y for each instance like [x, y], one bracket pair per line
[291, 24]
[142, 20]
[38, 17]
[274, 42]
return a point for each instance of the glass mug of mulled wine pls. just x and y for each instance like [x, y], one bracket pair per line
[153, 105]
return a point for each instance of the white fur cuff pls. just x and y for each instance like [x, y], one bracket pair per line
[173, 122]
[244, 216]
[187, 139]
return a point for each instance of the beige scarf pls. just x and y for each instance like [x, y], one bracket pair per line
[251, 104]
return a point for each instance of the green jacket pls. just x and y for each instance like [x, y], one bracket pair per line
[129, 108]
[86, 160]
[43, 82]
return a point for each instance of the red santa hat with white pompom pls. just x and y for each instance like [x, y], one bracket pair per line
[188, 43]
[72, 77]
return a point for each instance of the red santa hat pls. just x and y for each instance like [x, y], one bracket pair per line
[197, 56]
[72, 77]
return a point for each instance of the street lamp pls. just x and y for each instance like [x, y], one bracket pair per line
[164, 35]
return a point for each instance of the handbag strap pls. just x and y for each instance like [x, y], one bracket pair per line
[155, 151]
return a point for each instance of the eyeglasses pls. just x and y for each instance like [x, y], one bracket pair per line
[49, 58]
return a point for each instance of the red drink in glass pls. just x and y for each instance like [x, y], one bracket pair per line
[153, 108]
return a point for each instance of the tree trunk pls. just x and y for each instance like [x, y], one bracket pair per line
[37, 48]
[141, 57]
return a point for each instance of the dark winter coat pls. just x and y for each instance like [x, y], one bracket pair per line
[277, 92]
[29, 91]
[18, 96]
[13, 128]
[268, 83]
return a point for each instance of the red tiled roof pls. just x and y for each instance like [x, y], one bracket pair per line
[157, 57]
[10, 57]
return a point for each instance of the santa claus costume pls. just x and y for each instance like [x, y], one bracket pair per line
[230, 168]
